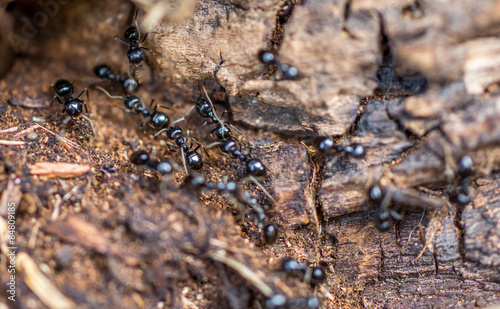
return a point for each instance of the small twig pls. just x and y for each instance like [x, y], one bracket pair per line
[9, 130]
[40, 285]
[57, 206]
[11, 143]
[33, 235]
[422, 218]
[245, 272]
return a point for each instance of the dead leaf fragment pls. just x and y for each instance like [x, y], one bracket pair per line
[56, 169]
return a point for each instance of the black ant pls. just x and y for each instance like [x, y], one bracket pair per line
[464, 172]
[193, 159]
[157, 120]
[73, 107]
[135, 53]
[386, 210]
[254, 167]
[314, 275]
[142, 158]
[327, 145]
[270, 230]
[287, 72]
[129, 84]
[278, 301]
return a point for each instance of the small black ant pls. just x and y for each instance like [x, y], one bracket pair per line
[385, 210]
[73, 107]
[465, 170]
[157, 120]
[129, 84]
[268, 58]
[314, 275]
[327, 145]
[142, 158]
[194, 159]
[254, 167]
[135, 53]
[270, 230]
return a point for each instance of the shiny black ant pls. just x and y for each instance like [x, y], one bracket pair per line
[254, 167]
[135, 53]
[385, 211]
[129, 84]
[157, 120]
[327, 145]
[73, 107]
[465, 170]
[193, 159]
[286, 71]
[270, 230]
[142, 158]
[314, 275]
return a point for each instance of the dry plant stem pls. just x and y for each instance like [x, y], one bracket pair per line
[11, 143]
[245, 272]
[41, 285]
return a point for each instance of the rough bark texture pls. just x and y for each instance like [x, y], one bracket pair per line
[417, 83]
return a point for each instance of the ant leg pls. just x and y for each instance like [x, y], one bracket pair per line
[137, 24]
[91, 123]
[184, 116]
[145, 37]
[184, 161]
[145, 48]
[204, 149]
[85, 89]
[114, 97]
[248, 139]
[162, 106]
[121, 41]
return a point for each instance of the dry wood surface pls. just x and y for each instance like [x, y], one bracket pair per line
[415, 82]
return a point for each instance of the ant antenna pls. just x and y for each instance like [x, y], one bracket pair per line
[114, 97]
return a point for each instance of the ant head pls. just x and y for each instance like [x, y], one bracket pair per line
[318, 275]
[222, 132]
[194, 160]
[73, 107]
[160, 120]
[131, 102]
[267, 57]
[130, 85]
[228, 145]
[135, 57]
[139, 157]
[102, 71]
[194, 181]
[131, 34]
[165, 167]
[270, 234]
[203, 108]
[255, 167]
[174, 132]
[324, 144]
[63, 88]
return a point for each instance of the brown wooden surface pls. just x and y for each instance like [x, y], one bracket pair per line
[415, 82]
